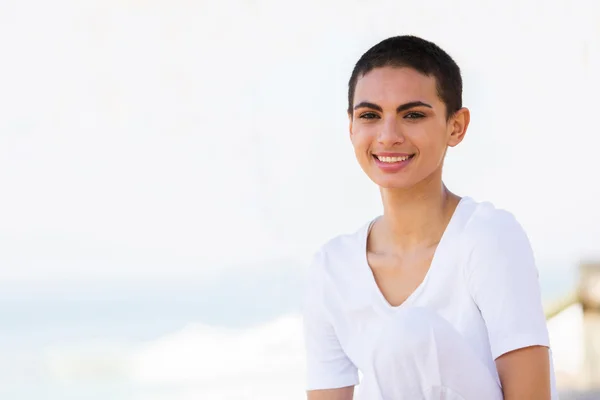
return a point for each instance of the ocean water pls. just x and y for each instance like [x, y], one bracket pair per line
[235, 336]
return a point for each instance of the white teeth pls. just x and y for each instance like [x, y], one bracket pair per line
[392, 159]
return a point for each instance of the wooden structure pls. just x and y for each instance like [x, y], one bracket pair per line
[587, 296]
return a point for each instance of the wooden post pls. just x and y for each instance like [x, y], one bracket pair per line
[589, 296]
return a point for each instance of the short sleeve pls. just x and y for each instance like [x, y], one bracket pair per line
[327, 365]
[503, 280]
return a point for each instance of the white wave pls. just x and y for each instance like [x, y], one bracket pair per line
[206, 354]
[90, 360]
[199, 361]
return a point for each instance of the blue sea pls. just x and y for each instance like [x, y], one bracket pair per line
[221, 338]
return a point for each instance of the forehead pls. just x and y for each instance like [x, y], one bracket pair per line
[395, 86]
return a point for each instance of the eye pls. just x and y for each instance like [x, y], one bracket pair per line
[368, 115]
[414, 115]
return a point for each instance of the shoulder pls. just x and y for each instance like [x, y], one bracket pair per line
[489, 225]
[493, 238]
[339, 266]
[341, 252]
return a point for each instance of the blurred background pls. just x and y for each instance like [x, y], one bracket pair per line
[168, 168]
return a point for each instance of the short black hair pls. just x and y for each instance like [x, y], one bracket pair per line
[416, 53]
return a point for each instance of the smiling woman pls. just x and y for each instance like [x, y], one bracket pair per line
[439, 296]
[400, 106]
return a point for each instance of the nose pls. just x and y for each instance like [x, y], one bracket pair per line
[390, 133]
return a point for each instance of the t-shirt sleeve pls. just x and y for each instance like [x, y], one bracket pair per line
[503, 280]
[327, 365]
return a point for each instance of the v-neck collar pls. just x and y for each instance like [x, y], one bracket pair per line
[376, 295]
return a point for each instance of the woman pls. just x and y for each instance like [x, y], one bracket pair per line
[438, 298]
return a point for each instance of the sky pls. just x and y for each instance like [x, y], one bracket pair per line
[171, 140]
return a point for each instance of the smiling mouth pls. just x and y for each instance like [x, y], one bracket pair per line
[392, 160]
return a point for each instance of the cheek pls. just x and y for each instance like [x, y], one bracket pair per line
[362, 139]
[428, 139]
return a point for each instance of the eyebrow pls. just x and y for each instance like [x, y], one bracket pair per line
[400, 108]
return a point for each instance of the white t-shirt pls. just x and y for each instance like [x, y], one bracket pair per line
[482, 279]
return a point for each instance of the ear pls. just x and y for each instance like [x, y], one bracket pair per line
[350, 122]
[458, 125]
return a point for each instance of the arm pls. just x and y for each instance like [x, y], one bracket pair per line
[525, 373]
[346, 393]
[504, 284]
[330, 373]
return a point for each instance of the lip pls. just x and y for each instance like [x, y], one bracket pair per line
[392, 167]
[387, 154]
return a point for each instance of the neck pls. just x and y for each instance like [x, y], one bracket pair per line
[417, 216]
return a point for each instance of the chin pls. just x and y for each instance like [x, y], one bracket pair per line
[403, 180]
[393, 182]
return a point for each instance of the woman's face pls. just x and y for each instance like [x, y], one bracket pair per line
[399, 128]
